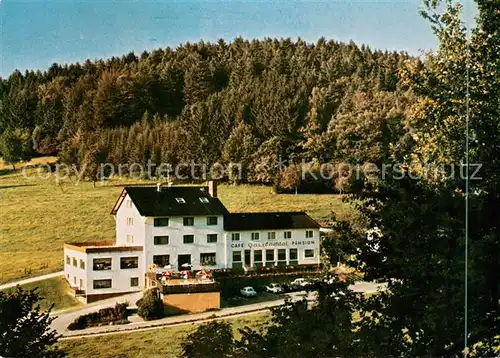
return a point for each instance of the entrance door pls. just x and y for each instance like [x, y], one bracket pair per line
[247, 257]
[183, 259]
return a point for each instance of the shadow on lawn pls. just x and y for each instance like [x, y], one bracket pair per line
[14, 186]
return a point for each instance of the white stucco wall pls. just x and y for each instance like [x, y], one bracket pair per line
[123, 228]
[176, 231]
[120, 277]
[74, 274]
[297, 241]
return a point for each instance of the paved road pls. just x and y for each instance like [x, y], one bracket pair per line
[176, 320]
[67, 316]
[31, 280]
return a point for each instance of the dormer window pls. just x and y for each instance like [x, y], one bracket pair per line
[180, 200]
[204, 200]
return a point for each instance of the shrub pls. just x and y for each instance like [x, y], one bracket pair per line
[117, 314]
[150, 306]
[213, 339]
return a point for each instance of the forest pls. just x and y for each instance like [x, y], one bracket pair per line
[435, 240]
[247, 102]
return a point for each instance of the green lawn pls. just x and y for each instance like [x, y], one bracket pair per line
[37, 216]
[53, 291]
[164, 342]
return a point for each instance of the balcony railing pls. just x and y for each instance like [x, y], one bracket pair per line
[190, 288]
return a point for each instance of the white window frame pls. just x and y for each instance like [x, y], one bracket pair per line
[212, 217]
[271, 235]
[309, 257]
[309, 234]
[235, 236]
[255, 236]
[232, 256]
[287, 234]
[130, 221]
[180, 200]
[213, 242]
[137, 282]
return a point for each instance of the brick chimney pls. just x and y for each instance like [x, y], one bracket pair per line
[212, 188]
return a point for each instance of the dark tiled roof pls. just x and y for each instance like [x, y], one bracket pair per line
[150, 202]
[268, 221]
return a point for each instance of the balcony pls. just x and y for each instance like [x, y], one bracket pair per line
[189, 287]
[176, 285]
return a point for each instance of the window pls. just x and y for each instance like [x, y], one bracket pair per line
[188, 239]
[269, 255]
[255, 236]
[309, 234]
[189, 221]
[293, 254]
[257, 256]
[68, 260]
[281, 254]
[271, 235]
[75, 262]
[161, 260]
[161, 240]
[208, 259]
[236, 256]
[235, 236]
[102, 284]
[74, 280]
[129, 203]
[130, 239]
[130, 221]
[204, 200]
[212, 220]
[82, 264]
[129, 262]
[308, 253]
[134, 281]
[287, 234]
[161, 222]
[102, 264]
[211, 238]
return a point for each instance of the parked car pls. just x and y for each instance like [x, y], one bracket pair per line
[300, 283]
[248, 292]
[273, 288]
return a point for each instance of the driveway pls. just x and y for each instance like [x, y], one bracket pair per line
[66, 317]
[31, 280]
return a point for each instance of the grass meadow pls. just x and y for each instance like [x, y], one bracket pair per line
[54, 291]
[37, 215]
[162, 342]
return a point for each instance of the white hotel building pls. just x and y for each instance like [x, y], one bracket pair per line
[174, 225]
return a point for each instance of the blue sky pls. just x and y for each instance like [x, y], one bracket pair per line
[36, 33]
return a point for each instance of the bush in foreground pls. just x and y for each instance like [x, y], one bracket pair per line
[150, 306]
[24, 330]
[115, 315]
[214, 339]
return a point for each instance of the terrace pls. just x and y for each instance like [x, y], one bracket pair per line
[179, 285]
[99, 246]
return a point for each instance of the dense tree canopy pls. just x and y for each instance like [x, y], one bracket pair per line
[417, 226]
[24, 330]
[247, 101]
